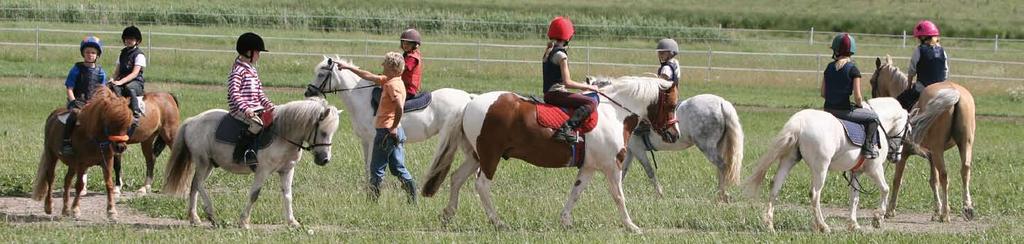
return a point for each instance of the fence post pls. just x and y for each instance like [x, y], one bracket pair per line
[904, 39]
[37, 43]
[588, 59]
[707, 76]
[149, 46]
[997, 43]
[478, 50]
[810, 38]
[366, 45]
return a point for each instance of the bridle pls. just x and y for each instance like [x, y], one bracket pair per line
[314, 134]
[325, 88]
[895, 142]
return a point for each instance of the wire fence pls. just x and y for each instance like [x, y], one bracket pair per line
[702, 60]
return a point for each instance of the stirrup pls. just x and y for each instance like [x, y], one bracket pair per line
[249, 157]
[566, 136]
[869, 154]
[66, 149]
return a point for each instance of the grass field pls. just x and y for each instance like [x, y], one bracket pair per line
[330, 202]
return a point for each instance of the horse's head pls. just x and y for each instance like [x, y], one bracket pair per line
[323, 134]
[328, 79]
[107, 117]
[888, 80]
[655, 97]
[895, 121]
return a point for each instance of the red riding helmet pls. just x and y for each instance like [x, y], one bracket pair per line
[925, 28]
[560, 29]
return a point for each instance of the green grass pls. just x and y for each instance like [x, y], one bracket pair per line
[329, 199]
[956, 18]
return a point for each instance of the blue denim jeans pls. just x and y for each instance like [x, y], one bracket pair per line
[390, 154]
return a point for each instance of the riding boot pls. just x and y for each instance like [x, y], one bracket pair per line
[244, 152]
[567, 133]
[136, 109]
[908, 98]
[870, 147]
[66, 149]
[374, 188]
[410, 187]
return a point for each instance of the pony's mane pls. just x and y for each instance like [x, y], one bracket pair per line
[638, 87]
[104, 107]
[302, 114]
[887, 68]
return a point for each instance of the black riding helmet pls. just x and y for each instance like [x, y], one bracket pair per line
[132, 32]
[249, 42]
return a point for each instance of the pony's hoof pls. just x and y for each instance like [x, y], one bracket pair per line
[823, 228]
[195, 222]
[117, 191]
[294, 224]
[143, 190]
[112, 214]
[853, 227]
[890, 214]
[968, 214]
[634, 229]
[244, 226]
[501, 226]
[83, 192]
[876, 222]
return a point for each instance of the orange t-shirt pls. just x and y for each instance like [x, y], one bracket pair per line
[392, 100]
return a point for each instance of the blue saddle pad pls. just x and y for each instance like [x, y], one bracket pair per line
[415, 103]
[229, 131]
[854, 132]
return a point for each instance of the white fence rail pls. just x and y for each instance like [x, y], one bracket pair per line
[819, 59]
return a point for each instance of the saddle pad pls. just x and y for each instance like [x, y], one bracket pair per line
[415, 103]
[854, 132]
[63, 117]
[229, 131]
[551, 116]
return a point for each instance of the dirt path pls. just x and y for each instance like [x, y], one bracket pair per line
[24, 211]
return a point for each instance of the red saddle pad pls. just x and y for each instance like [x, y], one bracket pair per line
[553, 117]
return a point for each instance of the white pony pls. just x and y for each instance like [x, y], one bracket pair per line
[502, 124]
[309, 121]
[710, 123]
[818, 137]
[445, 107]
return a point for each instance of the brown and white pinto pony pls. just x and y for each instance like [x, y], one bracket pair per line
[103, 127]
[503, 124]
[943, 117]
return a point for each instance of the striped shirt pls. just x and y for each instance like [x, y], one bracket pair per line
[245, 91]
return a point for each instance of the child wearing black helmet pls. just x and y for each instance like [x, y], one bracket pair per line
[128, 80]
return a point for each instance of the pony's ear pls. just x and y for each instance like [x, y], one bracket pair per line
[878, 62]
[330, 62]
[888, 59]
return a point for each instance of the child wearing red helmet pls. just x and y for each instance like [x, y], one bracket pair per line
[557, 80]
[413, 62]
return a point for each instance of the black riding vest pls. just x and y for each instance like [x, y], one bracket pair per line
[87, 81]
[931, 68]
[838, 86]
[672, 66]
[126, 62]
[552, 71]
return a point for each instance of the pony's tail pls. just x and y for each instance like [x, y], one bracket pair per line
[47, 164]
[732, 145]
[784, 143]
[161, 143]
[943, 101]
[444, 156]
[179, 166]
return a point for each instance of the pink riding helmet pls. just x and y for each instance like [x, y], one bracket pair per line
[925, 28]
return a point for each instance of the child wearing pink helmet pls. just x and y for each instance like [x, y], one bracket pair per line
[929, 63]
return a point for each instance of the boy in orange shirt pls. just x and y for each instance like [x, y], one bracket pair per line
[387, 149]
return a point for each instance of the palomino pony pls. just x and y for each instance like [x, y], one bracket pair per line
[446, 106]
[819, 137]
[707, 121]
[502, 124]
[103, 127]
[944, 117]
[156, 130]
[309, 121]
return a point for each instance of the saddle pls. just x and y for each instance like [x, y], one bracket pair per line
[414, 103]
[855, 132]
[62, 117]
[229, 131]
[551, 116]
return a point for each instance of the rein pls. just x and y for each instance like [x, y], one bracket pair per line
[314, 134]
[894, 155]
[323, 83]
